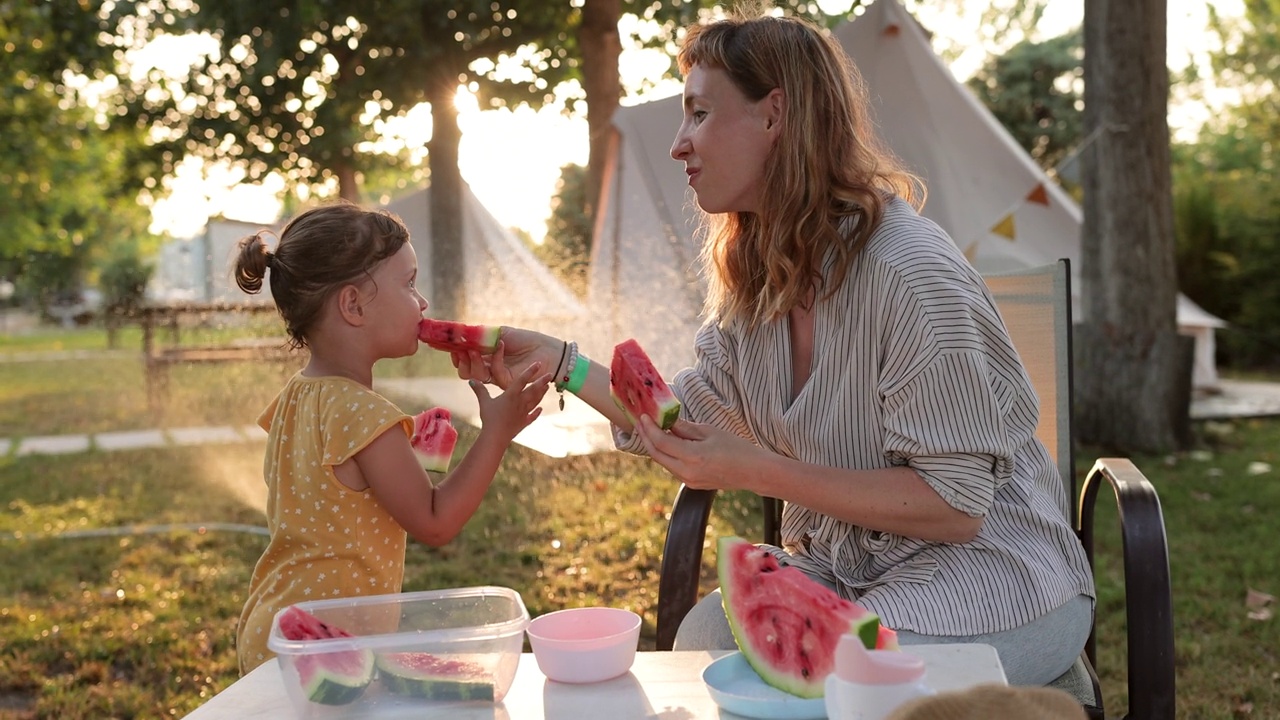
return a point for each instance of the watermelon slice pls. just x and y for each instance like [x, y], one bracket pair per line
[434, 437]
[786, 624]
[328, 678]
[457, 337]
[637, 388]
[423, 675]
[334, 678]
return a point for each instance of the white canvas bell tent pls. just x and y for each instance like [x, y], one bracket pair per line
[998, 206]
[505, 283]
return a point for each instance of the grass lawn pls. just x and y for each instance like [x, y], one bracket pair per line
[143, 624]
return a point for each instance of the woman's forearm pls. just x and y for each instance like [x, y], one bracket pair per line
[894, 500]
[595, 392]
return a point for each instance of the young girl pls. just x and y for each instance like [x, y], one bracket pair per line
[343, 483]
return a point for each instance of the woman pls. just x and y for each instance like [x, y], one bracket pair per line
[852, 364]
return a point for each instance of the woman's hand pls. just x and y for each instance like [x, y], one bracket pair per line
[518, 349]
[704, 457]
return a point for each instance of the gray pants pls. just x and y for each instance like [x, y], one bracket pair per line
[1032, 654]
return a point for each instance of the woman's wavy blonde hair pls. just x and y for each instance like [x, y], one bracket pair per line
[828, 171]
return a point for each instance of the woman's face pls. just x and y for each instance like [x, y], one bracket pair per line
[724, 140]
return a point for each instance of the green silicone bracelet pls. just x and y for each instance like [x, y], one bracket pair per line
[579, 374]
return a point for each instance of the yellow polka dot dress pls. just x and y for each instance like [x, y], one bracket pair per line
[326, 540]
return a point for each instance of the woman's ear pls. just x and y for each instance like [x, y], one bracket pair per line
[774, 107]
[349, 307]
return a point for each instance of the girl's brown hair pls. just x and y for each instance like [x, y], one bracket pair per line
[827, 177]
[319, 251]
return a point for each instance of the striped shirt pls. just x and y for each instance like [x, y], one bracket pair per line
[911, 366]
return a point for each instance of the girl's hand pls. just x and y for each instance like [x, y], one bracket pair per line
[517, 406]
[703, 457]
[517, 350]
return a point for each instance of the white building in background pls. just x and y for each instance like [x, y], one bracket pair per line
[199, 268]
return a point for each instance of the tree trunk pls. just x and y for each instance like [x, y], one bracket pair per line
[601, 48]
[348, 186]
[448, 268]
[1132, 381]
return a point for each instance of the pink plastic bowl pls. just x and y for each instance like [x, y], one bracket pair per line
[584, 645]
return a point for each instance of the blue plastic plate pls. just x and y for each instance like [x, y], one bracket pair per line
[735, 686]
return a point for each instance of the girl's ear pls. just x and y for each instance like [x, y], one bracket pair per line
[349, 307]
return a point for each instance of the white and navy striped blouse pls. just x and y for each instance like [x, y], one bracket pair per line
[911, 366]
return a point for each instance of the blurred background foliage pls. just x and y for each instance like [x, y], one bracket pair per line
[88, 141]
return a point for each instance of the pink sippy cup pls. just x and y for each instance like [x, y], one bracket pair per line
[869, 684]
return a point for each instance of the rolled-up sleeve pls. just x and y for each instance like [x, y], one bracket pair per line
[948, 423]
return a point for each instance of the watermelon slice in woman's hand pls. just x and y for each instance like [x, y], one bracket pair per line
[637, 387]
[433, 439]
[452, 336]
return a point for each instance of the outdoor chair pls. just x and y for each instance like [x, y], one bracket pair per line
[1036, 307]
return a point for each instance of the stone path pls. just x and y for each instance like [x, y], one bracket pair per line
[130, 440]
[1237, 399]
[576, 430]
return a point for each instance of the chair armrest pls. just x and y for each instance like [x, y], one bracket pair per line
[1148, 594]
[682, 561]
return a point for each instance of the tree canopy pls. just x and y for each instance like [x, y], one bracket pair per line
[1035, 91]
[69, 179]
[306, 89]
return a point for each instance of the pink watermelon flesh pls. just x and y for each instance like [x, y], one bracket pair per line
[786, 624]
[423, 675]
[456, 337]
[332, 678]
[434, 438]
[637, 387]
[298, 624]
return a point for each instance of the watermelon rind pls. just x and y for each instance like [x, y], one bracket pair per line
[335, 678]
[668, 413]
[786, 624]
[431, 677]
[437, 462]
[867, 628]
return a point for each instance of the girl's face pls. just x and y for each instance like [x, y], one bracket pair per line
[724, 140]
[393, 306]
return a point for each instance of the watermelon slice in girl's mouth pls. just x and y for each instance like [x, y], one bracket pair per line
[452, 336]
[434, 437]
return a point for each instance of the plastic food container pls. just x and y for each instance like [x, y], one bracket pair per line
[585, 645]
[408, 652]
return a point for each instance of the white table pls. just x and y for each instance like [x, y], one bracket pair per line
[663, 685]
